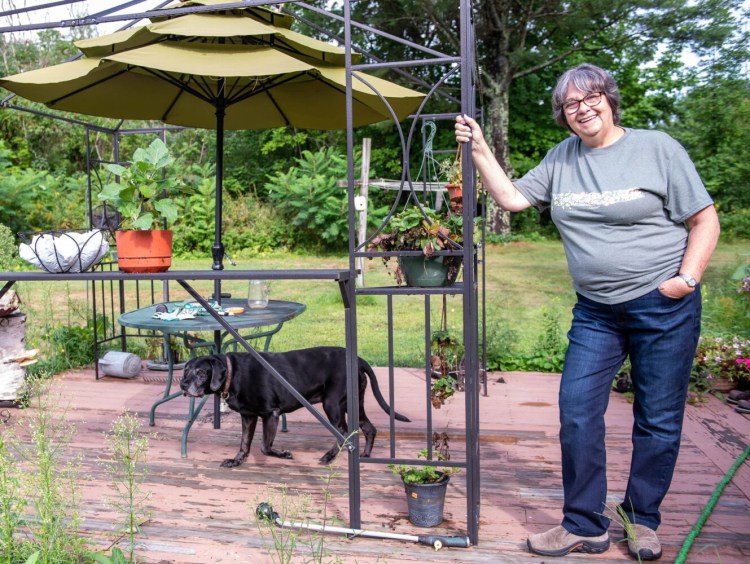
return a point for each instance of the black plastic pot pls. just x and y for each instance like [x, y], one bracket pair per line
[426, 501]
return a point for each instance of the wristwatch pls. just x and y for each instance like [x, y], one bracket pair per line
[689, 280]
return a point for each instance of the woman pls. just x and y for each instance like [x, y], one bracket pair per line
[638, 228]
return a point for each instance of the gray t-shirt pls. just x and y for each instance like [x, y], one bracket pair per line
[620, 210]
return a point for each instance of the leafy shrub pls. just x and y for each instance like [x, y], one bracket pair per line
[34, 200]
[735, 224]
[7, 248]
[66, 347]
[546, 355]
[252, 227]
[195, 231]
[502, 345]
[309, 198]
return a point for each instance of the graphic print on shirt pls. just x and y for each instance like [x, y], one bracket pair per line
[569, 200]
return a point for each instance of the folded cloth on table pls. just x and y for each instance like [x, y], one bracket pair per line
[189, 310]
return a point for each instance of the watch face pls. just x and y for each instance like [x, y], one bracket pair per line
[689, 280]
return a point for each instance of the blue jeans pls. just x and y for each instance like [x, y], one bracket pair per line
[660, 335]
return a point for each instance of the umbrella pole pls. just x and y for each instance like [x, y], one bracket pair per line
[218, 248]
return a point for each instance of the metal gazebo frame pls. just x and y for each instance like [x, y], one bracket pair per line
[470, 290]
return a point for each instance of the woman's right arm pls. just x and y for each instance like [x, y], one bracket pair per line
[493, 176]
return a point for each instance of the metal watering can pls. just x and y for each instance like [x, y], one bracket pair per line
[120, 364]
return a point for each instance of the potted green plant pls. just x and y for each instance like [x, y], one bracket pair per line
[422, 229]
[144, 197]
[425, 488]
[452, 171]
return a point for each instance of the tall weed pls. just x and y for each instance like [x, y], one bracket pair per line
[127, 468]
[12, 502]
[50, 480]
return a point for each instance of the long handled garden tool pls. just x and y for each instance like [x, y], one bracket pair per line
[265, 511]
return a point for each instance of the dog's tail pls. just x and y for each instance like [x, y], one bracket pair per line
[367, 369]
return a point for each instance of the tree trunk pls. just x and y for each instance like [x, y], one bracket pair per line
[496, 124]
[12, 343]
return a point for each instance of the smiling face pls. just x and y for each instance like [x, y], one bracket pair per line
[594, 124]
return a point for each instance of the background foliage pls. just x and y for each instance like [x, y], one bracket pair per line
[520, 52]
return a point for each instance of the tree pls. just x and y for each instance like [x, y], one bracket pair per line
[711, 122]
[522, 47]
[539, 37]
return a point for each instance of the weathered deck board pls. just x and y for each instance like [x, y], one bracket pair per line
[201, 513]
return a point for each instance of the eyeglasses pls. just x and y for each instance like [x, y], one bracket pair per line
[591, 100]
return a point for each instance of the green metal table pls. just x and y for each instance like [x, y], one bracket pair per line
[265, 322]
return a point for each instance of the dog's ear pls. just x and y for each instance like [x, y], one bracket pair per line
[218, 373]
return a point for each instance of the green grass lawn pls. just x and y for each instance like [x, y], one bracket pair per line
[522, 279]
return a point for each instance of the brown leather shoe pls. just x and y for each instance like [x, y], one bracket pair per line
[559, 542]
[644, 544]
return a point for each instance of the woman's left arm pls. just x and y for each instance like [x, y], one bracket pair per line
[703, 234]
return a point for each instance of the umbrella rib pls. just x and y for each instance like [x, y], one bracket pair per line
[183, 86]
[54, 101]
[240, 96]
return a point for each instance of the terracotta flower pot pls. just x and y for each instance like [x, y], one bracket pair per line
[723, 385]
[455, 191]
[144, 251]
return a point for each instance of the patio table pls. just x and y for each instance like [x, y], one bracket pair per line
[265, 323]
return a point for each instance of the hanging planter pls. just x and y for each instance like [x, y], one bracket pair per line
[429, 271]
[420, 228]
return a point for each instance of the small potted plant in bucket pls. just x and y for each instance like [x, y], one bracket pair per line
[144, 199]
[425, 488]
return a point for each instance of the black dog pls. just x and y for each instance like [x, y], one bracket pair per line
[318, 374]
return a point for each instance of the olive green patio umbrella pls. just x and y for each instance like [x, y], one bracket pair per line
[235, 69]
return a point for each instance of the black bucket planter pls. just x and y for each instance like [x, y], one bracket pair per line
[426, 501]
[429, 271]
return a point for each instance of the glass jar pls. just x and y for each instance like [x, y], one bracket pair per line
[257, 294]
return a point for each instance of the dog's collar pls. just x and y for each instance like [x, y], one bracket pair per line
[228, 381]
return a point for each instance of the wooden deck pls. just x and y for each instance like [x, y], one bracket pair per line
[202, 513]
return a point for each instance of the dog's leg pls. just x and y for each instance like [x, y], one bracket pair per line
[248, 430]
[337, 416]
[270, 425]
[368, 429]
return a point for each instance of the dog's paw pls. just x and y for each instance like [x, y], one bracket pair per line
[326, 459]
[230, 463]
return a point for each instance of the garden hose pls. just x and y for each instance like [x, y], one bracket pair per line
[695, 531]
